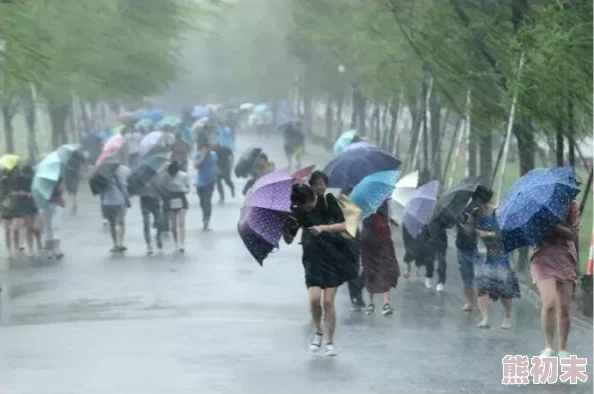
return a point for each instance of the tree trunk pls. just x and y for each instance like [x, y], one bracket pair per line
[392, 131]
[451, 149]
[7, 116]
[85, 117]
[58, 114]
[486, 156]
[472, 152]
[425, 131]
[414, 135]
[376, 124]
[31, 119]
[436, 136]
[560, 148]
[307, 112]
[339, 108]
[362, 125]
[329, 120]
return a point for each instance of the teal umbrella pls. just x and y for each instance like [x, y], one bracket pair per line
[46, 176]
[260, 108]
[65, 152]
[172, 121]
[344, 140]
[145, 125]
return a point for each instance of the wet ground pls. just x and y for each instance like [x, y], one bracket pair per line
[212, 320]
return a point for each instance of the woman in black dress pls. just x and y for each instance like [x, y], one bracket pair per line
[328, 256]
[27, 209]
[8, 183]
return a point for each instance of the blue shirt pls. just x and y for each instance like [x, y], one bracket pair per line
[225, 138]
[207, 174]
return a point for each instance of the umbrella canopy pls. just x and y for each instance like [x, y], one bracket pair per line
[199, 112]
[154, 114]
[153, 141]
[359, 145]
[119, 128]
[265, 210]
[199, 124]
[246, 106]
[171, 121]
[246, 162]
[535, 204]
[145, 172]
[420, 207]
[46, 176]
[9, 161]
[260, 108]
[144, 125]
[344, 140]
[405, 187]
[303, 174]
[453, 202]
[112, 147]
[373, 190]
[349, 168]
[65, 152]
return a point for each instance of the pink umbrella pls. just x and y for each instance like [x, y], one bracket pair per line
[303, 174]
[111, 148]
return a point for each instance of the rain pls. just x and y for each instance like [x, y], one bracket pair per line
[296, 196]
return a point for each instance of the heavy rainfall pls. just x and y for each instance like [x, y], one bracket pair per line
[282, 196]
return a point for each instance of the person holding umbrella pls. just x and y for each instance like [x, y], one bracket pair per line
[174, 186]
[494, 276]
[115, 202]
[329, 258]
[205, 162]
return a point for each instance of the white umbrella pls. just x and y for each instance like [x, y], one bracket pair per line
[200, 123]
[246, 106]
[402, 194]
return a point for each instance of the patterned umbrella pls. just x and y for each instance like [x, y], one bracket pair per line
[265, 210]
[349, 168]
[373, 190]
[535, 204]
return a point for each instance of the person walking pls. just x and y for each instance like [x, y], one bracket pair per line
[378, 257]
[438, 240]
[175, 187]
[224, 164]
[150, 204]
[294, 142]
[466, 252]
[328, 257]
[494, 276]
[553, 266]
[205, 162]
[115, 202]
[52, 215]
[27, 211]
[8, 184]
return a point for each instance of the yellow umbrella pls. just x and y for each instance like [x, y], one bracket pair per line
[9, 161]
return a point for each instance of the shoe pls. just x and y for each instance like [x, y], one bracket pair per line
[221, 201]
[59, 255]
[370, 309]
[406, 273]
[330, 351]
[159, 244]
[428, 283]
[387, 310]
[205, 226]
[115, 249]
[439, 287]
[562, 354]
[316, 342]
[357, 304]
[181, 249]
[547, 352]
[149, 250]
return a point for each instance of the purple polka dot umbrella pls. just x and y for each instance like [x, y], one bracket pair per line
[265, 210]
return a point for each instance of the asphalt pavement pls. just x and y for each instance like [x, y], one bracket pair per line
[213, 320]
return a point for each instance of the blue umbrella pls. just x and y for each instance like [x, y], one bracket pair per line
[349, 168]
[200, 112]
[154, 114]
[535, 204]
[419, 208]
[344, 140]
[373, 190]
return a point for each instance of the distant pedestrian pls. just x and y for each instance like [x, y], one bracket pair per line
[225, 162]
[175, 187]
[150, 204]
[262, 167]
[553, 266]
[8, 184]
[206, 161]
[115, 202]
[294, 142]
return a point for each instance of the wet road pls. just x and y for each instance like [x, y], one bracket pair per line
[214, 321]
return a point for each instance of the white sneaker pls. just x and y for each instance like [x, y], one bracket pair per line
[428, 283]
[563, 354]
[547, 352]
[316, 342]
[439, 287]
[330, 351]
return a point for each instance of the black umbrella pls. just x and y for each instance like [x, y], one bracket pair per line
[103, 175]
[246, 162]
[454, 201]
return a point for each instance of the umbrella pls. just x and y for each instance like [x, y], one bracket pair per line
[246, 162]
[246, 106]
[199, 124]
[150, 142]
[111, 148]
[405, 187]
[260, 108]
[373, 190]
[344, 140]
[9, 161]
[103, 173]
[349, 168]
[119, 128]
[148, 168]
[46, 176]
[265, 210]
[359, 145]
[66, 151]
[303, 174]
[144, 125]
[453, 202]
[199, 112]
[535, 204]
[154, 114]
[171, 121]
[420, 207]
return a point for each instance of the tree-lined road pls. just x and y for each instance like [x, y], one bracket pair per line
[212, 320]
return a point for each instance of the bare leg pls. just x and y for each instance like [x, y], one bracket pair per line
[173, 225]
[468, 299]
[29, 233]
[17, 224]
[315, 307]
[8, 235]
[483, 305]
[548, 296]
[506, 324]
[329, 313]
[564, 290]
[121, 233]
[386, 297]
[113, 231]
[182, 226]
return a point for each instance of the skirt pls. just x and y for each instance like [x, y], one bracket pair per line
[175, 202]
[25, 207]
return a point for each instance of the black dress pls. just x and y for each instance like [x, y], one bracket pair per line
[24, 203]
[329, 259]
[7, 186]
